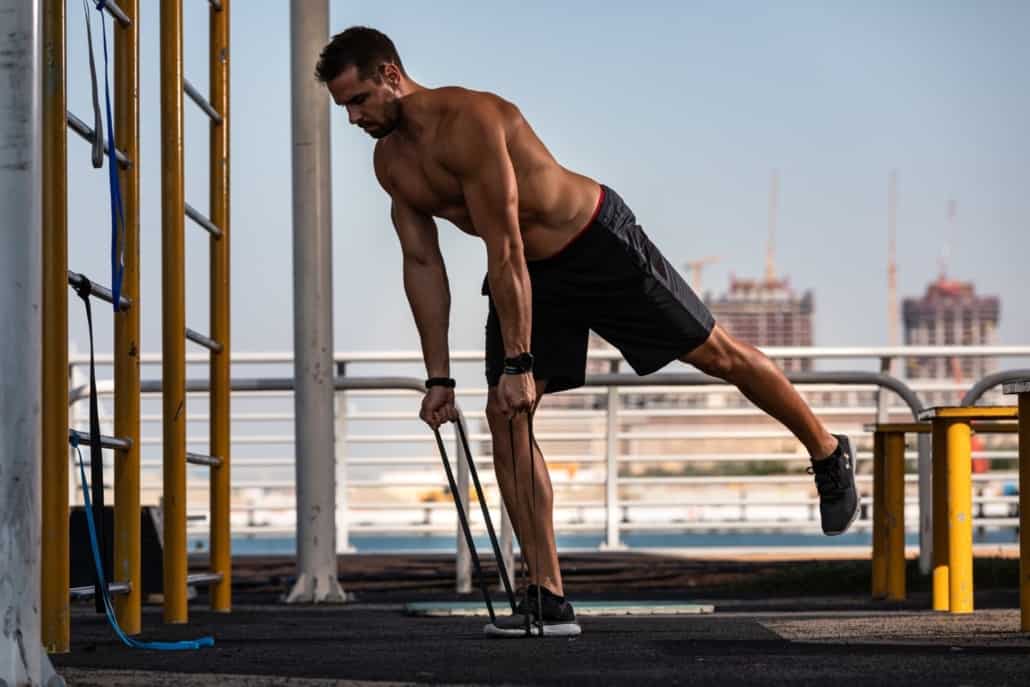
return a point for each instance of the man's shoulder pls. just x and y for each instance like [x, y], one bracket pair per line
[456, 103]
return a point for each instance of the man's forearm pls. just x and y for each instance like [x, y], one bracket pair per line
[512, 294]
[430, 298]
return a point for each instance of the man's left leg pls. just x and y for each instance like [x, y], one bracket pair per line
[765, 385]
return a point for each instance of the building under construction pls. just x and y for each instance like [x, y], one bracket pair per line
[951, 314]
[767, 312]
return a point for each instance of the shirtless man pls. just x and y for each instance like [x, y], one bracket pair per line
[564, 255]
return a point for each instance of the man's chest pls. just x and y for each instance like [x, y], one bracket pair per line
[420, 180]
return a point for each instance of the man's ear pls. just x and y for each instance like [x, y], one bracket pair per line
[391, 74]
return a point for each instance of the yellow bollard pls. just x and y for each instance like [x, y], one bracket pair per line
[894, 514]
[879, 572]
[1024, 511]
[941, 598]
[960, 517]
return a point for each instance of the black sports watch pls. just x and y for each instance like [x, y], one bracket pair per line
[520, 364]
[445, 382]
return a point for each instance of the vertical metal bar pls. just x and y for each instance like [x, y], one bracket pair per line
[925, 487]
[941, 598]
[882, 395]
[960, 518]
[894, 500]
[340, 442]
[21, 295]
[611, 482]
[1024, 511]
[463, 557]
[173, 314]
[220, 395]
[312, 310]
[127, 542]
[56, 605]
[879, 550]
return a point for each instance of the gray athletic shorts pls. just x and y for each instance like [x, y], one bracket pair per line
[610, 279]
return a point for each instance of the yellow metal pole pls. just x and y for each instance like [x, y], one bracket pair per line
[1024, 511]
[941, 595]
[879, 550]
[960, 517]
[126, 330]
[220, 493]
[173, 314]
[894, 493]
[56, 624]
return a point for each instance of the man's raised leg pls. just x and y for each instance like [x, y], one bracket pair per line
[765, 385]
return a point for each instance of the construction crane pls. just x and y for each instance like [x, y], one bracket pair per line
[694, 268]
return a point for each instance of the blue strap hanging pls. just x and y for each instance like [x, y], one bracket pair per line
[117, 214]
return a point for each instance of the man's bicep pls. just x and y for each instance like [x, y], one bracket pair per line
[417, 233]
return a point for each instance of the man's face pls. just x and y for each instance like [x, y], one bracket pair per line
[372, 105]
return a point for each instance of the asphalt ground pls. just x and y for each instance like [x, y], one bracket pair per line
[802, 635]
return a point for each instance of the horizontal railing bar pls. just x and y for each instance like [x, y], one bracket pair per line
[87, 134]
[203, 221]
[102, 292]
[815, 352]
[204, 578]
[201, 101]
[236, 417]
[198, 459]
[116, 443]
[204, 341]
[112, 7]
[112, 588]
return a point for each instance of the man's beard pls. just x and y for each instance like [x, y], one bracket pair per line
[382, 131]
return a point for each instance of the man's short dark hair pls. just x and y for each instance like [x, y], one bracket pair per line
[360, 46]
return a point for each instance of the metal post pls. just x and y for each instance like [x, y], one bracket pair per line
[220, 495]
[21, 294]
[56, 475]
[312, 311]
[173, 314]
[940, 516]
[879, 572]
[960, 518]
[1024, 510]
[894, 500]
[342, 513]
[925, 487]
[127, 542]
[463, 557]
[611, 482]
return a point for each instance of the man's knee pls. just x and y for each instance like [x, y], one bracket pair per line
[723, 356]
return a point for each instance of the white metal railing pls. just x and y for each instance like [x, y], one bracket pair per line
[389, 478]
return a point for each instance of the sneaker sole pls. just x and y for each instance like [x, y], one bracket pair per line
[550, 630]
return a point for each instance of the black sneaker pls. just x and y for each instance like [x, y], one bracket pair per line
[559, 620]
[835, 480]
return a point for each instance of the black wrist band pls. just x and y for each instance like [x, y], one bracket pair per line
[520, 364]
[440, 381]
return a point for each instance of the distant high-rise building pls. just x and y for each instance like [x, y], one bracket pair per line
[950, 314]
[767, 312]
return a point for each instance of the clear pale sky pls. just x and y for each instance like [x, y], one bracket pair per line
[683, 107]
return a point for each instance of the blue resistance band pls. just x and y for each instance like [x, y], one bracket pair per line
[128, 641]
[117, 215]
